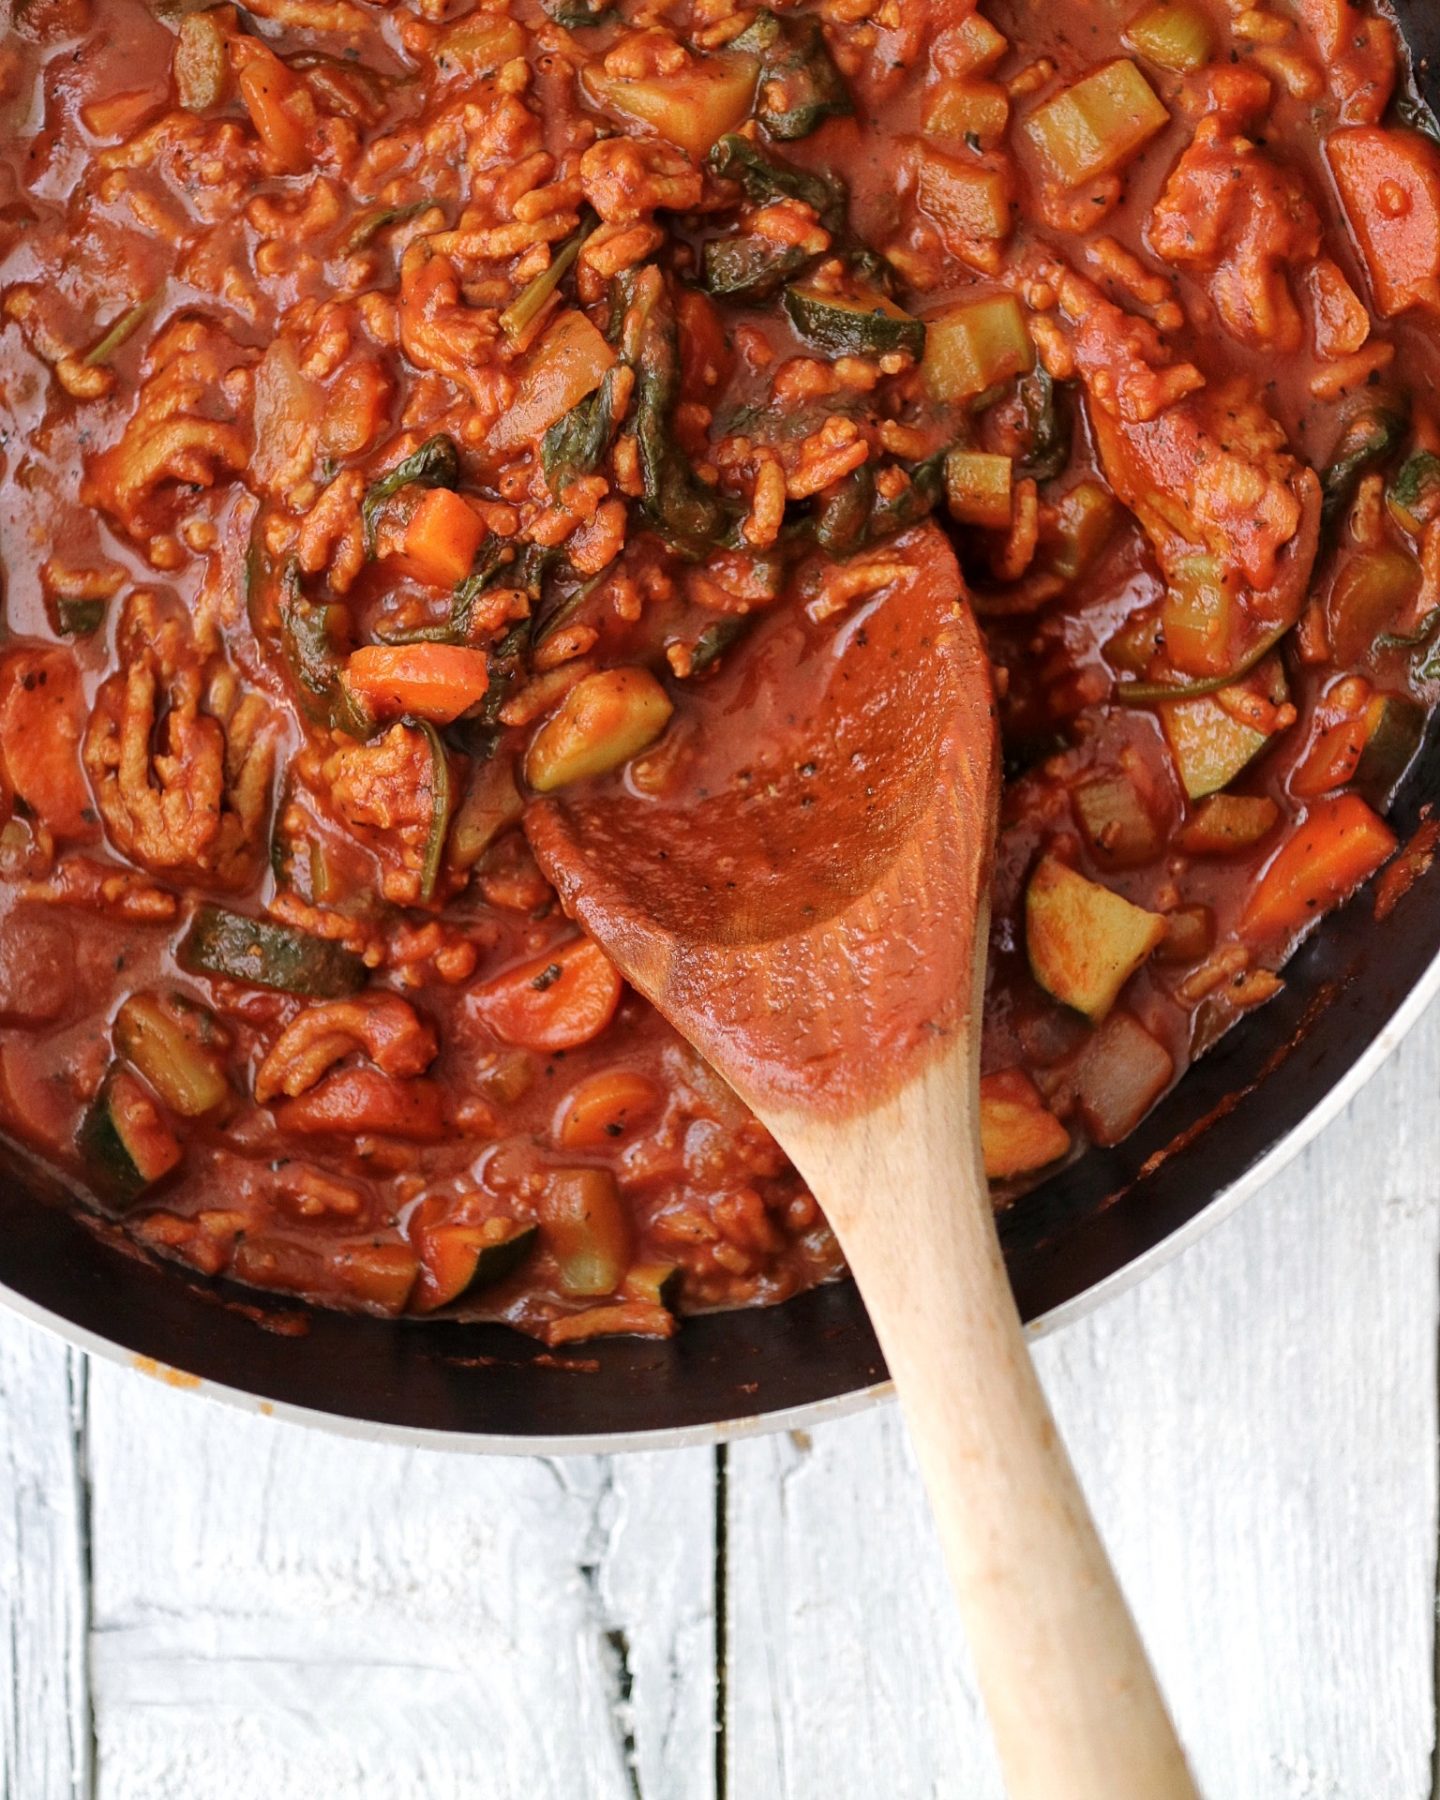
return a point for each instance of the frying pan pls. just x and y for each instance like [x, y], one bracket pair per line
[1246, 1108]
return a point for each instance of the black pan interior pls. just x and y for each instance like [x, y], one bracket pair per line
[1076, 1230]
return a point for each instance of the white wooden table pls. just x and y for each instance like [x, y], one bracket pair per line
[195, 1604]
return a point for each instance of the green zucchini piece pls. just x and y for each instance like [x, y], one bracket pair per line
[1414, 495]
[76, 618]
[311, 636]
[124, 1143]
[869, 325]
[264, 953]
[435, 464]
[492, 804]
[165, 1039]
[656, 1283]
[1210, 747]
[799, 86]
[1395, 728]
[496, 1261]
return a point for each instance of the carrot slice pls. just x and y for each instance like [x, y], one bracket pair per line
[429, 681]
[1339, 844]
[442, 537]
[556, 1002]
[1389, 182]
[603, 1108]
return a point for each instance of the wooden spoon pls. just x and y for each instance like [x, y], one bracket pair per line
[798, 879]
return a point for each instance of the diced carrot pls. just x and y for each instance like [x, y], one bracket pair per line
[1017, 1132]
[1331, 760]
[430, 681]
[364, 1100]
[281, 107]
[117, 115]
[42, 716]
[442, 537]
[603, 1108]
[1389, 182]
[556, 1002]
[1338, 844]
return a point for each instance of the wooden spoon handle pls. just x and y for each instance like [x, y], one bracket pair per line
[1072, 1701]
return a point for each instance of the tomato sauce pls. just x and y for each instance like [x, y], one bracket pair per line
[411, 416]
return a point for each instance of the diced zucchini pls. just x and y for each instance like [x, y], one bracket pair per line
[1018, 1133]
[1174, 35]
[1209, 745]
[1096, 125]
[1201, 616]
[1414, 494]
[967, 200]
[978, 488]
[123, 1141]
[972, 347]
[1084, 942]
[1372, 589]
[1225, 824]
[75, 618]
[868, 325]
[977, 111]
[1116, 821]
[603, 721]
[1086, 517]
[656, 1283]
[692, 109]
[1119, 1076]
[459, 1261]
[263, 953]
[165, 1039]
[587, 1230]
[1394, 727]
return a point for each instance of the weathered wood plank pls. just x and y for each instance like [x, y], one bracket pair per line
[278, 1612]
[44, 1699]
[1256, 1427]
